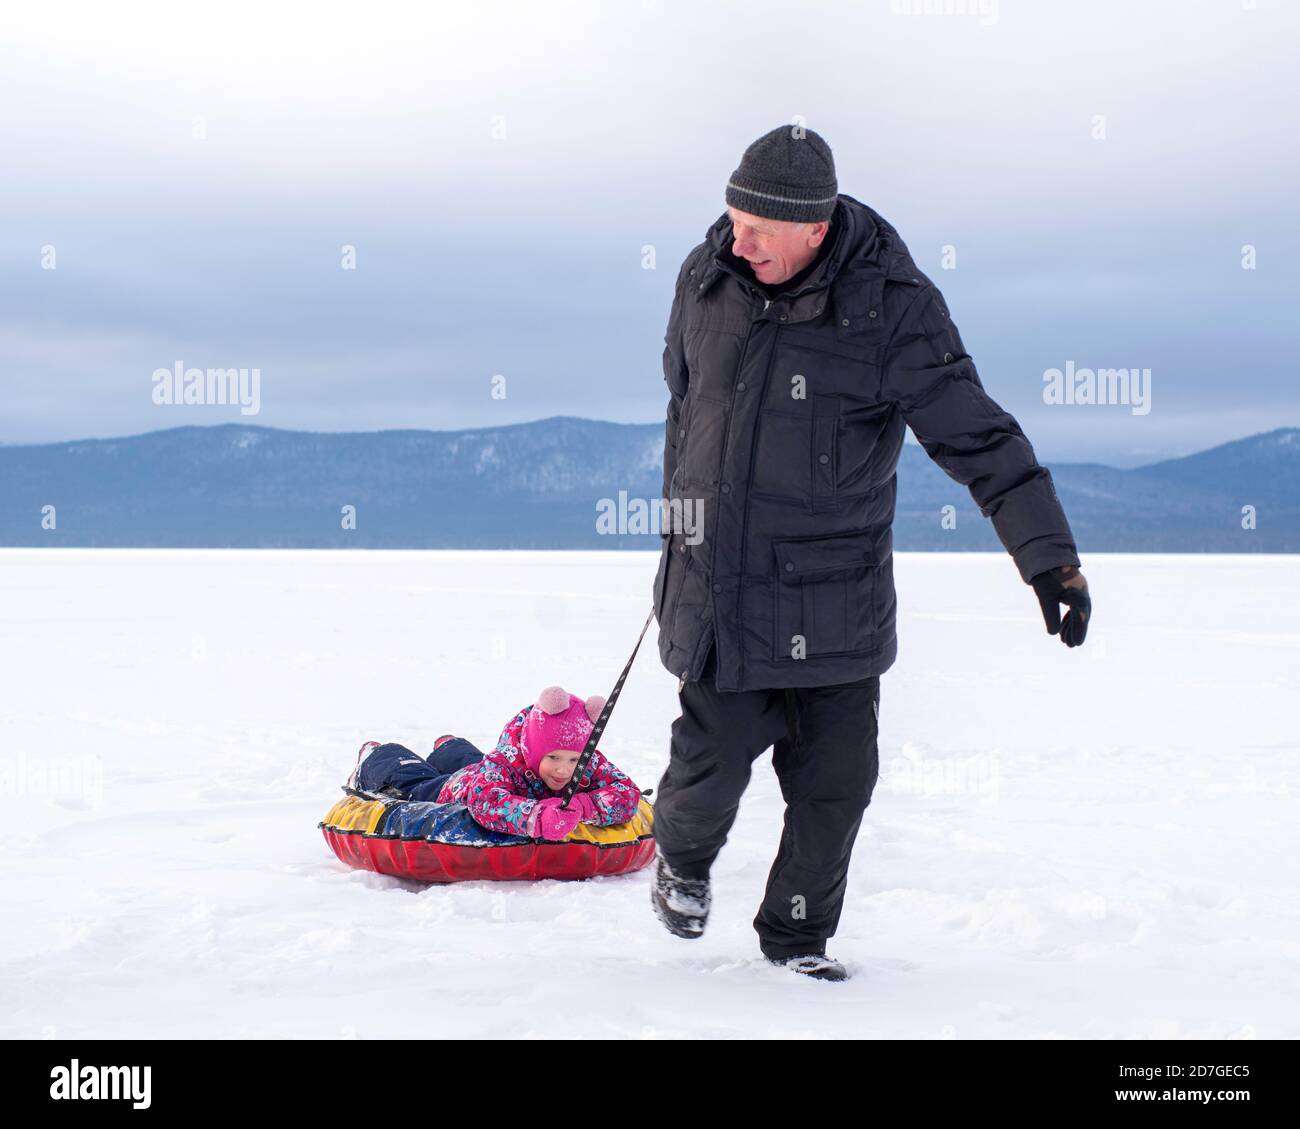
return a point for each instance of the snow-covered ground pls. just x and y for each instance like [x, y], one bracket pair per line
[1099, 842]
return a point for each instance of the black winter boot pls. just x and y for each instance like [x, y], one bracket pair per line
[682, 904]
[817, 966]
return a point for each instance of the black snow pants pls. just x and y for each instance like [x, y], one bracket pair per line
[826, 760]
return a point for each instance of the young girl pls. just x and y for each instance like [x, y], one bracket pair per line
[514, 788]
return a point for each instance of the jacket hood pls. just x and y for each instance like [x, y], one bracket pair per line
[862, 242]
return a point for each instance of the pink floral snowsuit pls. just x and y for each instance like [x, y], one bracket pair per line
[502, 793]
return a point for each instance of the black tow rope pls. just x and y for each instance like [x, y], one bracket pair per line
[572, 786]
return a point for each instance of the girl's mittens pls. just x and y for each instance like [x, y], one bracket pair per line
[553, 822]
[586, 806]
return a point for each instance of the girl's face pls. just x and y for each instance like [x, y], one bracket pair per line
[557, 768]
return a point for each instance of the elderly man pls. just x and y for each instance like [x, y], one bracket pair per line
[802, 341]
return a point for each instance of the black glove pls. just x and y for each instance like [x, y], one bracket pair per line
[1064, 585]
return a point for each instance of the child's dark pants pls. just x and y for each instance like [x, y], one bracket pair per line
[415, 777]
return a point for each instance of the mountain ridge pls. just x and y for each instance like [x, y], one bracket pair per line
[537, 484]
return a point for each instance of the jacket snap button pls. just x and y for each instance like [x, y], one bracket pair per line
[681, 548]
[844, 321]
[740, 387]
[700, 287]
[681, 433]
[947, 357]
[789, 566]
[871, 314]
[717, 587]
[726, 487]
[692, 270]
[823, 458]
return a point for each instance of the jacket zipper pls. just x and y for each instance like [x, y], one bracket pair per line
[722, 458]
[753, 449]
[731, 415]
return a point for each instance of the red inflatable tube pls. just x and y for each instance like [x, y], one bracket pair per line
[426, 861]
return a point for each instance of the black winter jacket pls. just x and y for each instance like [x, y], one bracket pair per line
[785, 423]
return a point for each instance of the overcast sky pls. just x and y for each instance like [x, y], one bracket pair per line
[499, 168]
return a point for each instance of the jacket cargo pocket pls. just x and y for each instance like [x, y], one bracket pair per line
[825, 592]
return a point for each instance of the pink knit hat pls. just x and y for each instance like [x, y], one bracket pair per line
[558, 720]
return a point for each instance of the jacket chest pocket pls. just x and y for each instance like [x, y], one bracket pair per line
[846, 447]
[712, 349]
[825, 447]
[809, 363]
[825, 594]
[857, 307]
[818, 385]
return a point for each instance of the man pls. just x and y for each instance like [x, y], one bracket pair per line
[802, 342]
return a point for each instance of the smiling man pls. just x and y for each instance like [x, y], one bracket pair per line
[781, 255]
[802, 343]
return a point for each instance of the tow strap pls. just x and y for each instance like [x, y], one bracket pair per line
[585, 759]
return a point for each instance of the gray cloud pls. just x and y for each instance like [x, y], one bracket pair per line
[521, 255]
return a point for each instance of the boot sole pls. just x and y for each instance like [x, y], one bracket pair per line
[831, 974]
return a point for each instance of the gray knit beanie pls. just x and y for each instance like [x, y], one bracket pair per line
[787, 174]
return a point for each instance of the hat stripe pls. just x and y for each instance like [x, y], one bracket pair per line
[781, 199]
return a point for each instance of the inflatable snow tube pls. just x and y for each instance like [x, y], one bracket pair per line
[432, 842]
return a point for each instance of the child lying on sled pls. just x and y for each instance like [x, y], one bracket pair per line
[514, 788]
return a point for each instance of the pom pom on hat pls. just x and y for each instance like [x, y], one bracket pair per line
[559, 721]
[554, 699]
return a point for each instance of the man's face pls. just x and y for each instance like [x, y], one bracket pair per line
[775, 249]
